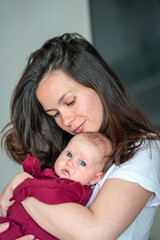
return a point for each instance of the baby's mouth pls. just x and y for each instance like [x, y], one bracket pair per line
[65, 172]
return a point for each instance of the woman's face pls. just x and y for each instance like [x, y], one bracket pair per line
[74, 107]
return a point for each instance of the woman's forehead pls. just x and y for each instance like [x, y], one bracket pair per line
[59, 81]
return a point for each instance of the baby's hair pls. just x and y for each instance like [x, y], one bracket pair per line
[103, 144]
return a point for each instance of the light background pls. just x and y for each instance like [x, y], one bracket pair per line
[24, 26]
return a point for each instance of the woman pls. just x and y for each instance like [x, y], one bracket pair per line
[66, 89]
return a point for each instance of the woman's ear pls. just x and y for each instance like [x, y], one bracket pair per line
[98, 177]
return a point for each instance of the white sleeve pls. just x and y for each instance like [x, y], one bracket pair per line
[143, 168]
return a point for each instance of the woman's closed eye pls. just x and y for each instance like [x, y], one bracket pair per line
[71, 102]
[56, 114]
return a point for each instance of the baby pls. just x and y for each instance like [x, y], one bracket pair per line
[81, 164]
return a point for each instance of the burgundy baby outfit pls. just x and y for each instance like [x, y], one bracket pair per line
[47, 187]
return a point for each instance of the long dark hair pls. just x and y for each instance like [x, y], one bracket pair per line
[34, 132]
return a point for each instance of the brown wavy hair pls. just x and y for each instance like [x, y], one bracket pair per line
[32, 131]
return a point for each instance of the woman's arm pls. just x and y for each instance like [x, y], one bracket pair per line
[114, 209]
[8, 191]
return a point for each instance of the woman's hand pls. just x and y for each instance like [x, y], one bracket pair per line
[8, 191]
[27, 237]
[4, 199]
[4, 227]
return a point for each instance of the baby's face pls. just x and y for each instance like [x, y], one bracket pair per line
[80, 161]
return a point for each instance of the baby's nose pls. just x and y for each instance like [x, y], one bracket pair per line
[70, 163]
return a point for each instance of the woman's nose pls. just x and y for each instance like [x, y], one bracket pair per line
[67, 118]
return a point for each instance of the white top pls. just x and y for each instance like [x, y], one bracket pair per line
[144, 169]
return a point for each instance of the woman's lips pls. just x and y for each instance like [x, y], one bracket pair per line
[80, 128]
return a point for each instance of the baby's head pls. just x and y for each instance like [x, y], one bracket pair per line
[85, 158]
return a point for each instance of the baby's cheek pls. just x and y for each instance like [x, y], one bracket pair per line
[57, 167]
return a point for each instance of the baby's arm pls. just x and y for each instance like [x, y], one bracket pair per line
[47, 187]
[52, 191]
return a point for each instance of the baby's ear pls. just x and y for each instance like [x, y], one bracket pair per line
[98, 177]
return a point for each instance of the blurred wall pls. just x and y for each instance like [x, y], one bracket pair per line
[127, 34]
[24, 26]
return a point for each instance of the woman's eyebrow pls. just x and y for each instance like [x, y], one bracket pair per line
[59, 101]
[62, 97]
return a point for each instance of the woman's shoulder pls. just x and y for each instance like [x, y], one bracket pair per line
[148, 153]
[143, 168]
[145, 161]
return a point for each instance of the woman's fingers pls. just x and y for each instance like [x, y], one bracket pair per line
[5, 204]
[3, 227]
[4, 200]
[4, 207]
[4, 212]
[27, 237]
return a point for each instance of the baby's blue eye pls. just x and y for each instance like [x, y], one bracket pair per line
[82, 163]
[69, 154]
